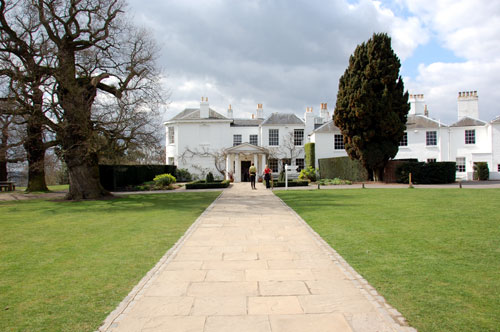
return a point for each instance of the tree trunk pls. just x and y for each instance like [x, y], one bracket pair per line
[76, 138]
[84, 180]
[378, 174]
[3, 170]
[35, 150]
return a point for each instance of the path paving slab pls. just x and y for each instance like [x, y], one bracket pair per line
[249, 263]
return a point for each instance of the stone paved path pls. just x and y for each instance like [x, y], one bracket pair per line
[251, 264]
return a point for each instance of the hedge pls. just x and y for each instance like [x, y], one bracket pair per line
[310, 154]
[291, 183]
[201, 184]
[426, 173]
[119, 177]
[343, 168]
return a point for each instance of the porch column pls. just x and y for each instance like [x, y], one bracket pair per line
[263, 157]
[237, 166]
[256, 162]
[227, 167]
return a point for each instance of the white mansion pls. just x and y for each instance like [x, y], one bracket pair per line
[203, 140]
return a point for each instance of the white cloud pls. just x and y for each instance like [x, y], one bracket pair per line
[470, 30]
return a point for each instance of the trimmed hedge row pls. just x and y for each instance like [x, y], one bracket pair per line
[342, 168]
[201, 184]
[426, 173]
[310, 154]
[292, 183]
[117, 177]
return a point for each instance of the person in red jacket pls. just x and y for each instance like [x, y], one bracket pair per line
[267, 176]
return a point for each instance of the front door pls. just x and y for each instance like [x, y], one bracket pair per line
[245, 166]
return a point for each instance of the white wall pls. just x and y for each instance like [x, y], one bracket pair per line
[418, 148]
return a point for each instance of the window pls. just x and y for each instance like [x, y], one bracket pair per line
[430, 138]
[338, 142]
[431, 160]
[298, 137]
[470, 136]
[274, 137]
[273, 165]
[285, 161]
[170, 160]
[460, 164]
[236, 140]
[254, 139]
[300, 163]
[498, 167]
[171, 135]
[404, 140]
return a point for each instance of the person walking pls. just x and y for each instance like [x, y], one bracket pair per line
[253, 171]
[267, 176]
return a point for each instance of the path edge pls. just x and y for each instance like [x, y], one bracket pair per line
[384, 309]
[113, 318]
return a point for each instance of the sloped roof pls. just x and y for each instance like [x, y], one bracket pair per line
[194, 114]
[282, 119]
[246, 122]
[496, 120]
[421, 121]
[246, 148]
[468, 122]
[328, 127]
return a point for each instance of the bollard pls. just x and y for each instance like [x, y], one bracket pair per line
[363, 185]
[318, 186]
[460, 184]
[410, 185]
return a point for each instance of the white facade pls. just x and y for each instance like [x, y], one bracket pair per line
[467, 141]
[202, 140]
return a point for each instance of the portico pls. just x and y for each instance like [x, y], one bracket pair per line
[240, 157]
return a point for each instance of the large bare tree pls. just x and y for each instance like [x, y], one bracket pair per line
[95, 56]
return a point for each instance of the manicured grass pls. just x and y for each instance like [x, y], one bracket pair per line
[65, 265]
[434, 254]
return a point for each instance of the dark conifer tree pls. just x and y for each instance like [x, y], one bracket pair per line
[372, 106]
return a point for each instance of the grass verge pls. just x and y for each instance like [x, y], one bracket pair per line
[65, 265]
[434, 254]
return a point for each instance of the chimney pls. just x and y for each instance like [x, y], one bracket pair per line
[309, 120]
[468, 104]
[253, 116]
[230, 112]
[417, 104]
[324, 114]
[426, 112]
[260, 111]
[204, 109]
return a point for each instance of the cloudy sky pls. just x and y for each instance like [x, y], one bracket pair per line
[290, 54]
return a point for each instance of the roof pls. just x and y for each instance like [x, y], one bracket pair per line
[496, 120]
[422, 121]
[246, 148]
[194, 114]
[468, 122]
[282, 119]
[246, 122]
[327, 127]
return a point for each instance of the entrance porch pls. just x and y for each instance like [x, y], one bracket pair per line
[239, 159]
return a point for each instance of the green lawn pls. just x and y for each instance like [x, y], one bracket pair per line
[65, 265]
[434, 254]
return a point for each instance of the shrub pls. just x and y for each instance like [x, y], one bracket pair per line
[201, 184]
[119, 177]
[335, 181]
[342, 168]
[291, 183]
[281, 177]
[164, 180]
[481, 171]
[209, 178]
[426, 173]
[183, 175]
[308, 173]
[310, 154]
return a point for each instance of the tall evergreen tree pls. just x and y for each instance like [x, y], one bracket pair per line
[372, 106]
